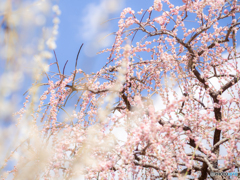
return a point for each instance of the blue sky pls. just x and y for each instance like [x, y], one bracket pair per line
[80, 23]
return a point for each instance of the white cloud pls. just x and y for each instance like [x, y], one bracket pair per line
[95, 25]
[120, 131]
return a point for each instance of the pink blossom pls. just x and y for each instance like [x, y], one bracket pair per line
[159, 20]
[157, 5]
[222, 100]
[226, 11]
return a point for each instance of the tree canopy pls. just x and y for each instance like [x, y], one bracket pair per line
[170, 87]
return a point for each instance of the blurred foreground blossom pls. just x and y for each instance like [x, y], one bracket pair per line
[25, 28]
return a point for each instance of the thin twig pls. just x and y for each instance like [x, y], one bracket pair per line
[76, 64]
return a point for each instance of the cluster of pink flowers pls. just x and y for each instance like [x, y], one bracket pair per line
[157, 5]
[173, 138]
